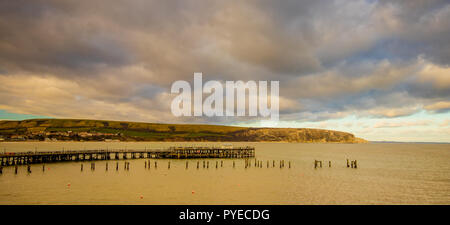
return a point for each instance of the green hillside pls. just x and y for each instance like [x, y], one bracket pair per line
[100, 130]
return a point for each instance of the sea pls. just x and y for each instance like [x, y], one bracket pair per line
[386, 173]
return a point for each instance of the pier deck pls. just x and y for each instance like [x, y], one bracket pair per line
[21, 158]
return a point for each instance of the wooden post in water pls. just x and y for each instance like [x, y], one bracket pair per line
[329, 163]
[207, 164]
[273, 163]
[168, 165]
[203, 163]
[289, 164]
[315, 164]
[187, 164]
[356, 165]
[267, 163]
[348, 164]
[217, 164]
[198, 163]
[221, 163]
[106, 166]
[156, 165]
[233, 164]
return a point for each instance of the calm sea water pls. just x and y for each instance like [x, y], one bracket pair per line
[386, 174]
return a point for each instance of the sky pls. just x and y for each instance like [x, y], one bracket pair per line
[377, 69]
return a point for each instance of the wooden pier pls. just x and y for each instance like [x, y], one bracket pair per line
[24, 158]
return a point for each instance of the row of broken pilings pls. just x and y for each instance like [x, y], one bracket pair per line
[247, 164]
[205, 164]
[126, 166]
[16, 169]
[259, 164]
[352, 164]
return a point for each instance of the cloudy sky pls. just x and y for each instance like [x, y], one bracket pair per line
[378, 69]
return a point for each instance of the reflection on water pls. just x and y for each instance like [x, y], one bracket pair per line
[386, 174]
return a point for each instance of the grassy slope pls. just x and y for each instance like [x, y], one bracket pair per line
[157, 132]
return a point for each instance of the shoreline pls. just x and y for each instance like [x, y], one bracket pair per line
[253, 142]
